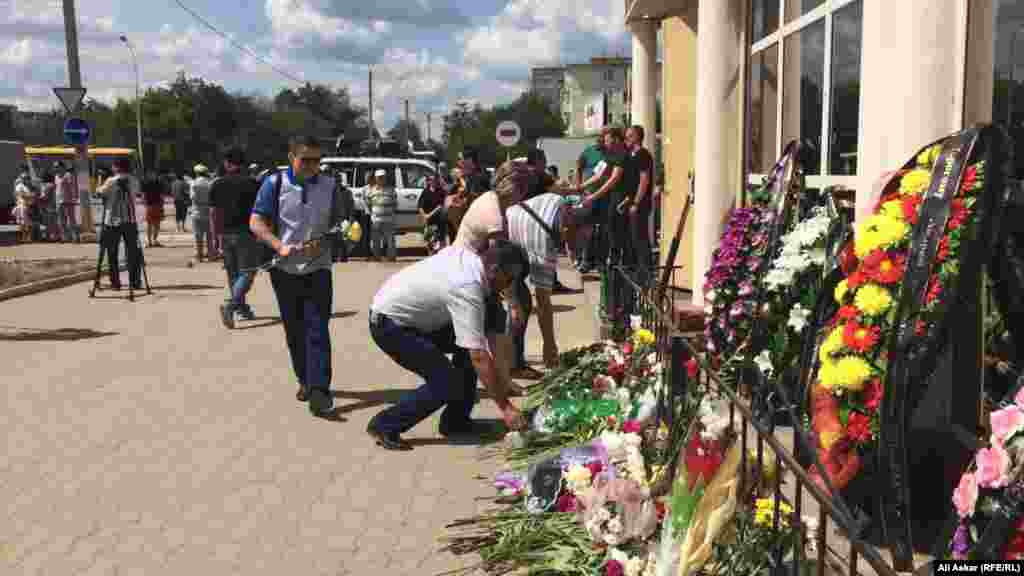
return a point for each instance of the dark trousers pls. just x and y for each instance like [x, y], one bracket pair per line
[239, 283]
[638, 251]
[519, 337]
[111, 239]
[448, 383]
[305, 303]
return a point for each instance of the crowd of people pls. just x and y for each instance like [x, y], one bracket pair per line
[489, 241]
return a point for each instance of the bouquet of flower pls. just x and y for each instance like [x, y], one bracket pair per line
[854, 356]
[605, 389]
[989, 500]
[767, 530]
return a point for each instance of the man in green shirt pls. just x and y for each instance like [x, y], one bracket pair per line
[608, 195]
[590, 168]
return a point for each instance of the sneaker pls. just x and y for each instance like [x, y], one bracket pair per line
[227, 316]
[321, 404]
[560, 288]
[246, 312]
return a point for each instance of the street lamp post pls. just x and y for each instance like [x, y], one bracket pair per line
[138, 103]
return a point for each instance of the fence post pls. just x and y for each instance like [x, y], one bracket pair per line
[679, 355]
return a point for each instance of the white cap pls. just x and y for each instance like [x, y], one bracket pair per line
[380, 172]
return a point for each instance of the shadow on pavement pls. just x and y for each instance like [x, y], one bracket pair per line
[559, 308]
[264, 321]
[51, 335]
[492, 432]
[367, 399]
[188, 287]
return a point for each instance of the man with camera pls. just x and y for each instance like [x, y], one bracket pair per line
[119, 192]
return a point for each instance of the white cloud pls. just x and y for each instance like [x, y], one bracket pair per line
[17, 54]
[298, 23]
[538, 32]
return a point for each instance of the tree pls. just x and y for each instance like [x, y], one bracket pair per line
[398, 133]
[475, 126]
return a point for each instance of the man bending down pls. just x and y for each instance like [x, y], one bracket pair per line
[437, 307]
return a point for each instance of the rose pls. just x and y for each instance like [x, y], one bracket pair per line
[1006, 423]
[693, 368]
[632, 426]
[965, 496]
[993, 464]
[614, 568]
[567, 503]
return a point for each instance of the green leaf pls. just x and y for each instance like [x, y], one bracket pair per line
[844, 414]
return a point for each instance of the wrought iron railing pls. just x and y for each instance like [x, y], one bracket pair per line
[627, 294]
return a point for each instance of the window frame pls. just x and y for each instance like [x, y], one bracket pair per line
[778, 37]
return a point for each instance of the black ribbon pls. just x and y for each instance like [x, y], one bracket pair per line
[904, 364]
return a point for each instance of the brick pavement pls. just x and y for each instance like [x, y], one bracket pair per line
[149, 440]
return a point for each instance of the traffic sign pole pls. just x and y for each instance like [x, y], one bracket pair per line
[75, 83]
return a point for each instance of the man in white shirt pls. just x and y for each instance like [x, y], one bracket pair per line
[435, 307]
[199, 192]
[119, 193]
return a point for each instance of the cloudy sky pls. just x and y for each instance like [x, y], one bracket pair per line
[434, 52]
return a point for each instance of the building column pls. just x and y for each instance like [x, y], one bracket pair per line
[930, 91]
[644, 77]
[718, 119]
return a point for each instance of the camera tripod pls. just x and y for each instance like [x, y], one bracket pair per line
[125, 199]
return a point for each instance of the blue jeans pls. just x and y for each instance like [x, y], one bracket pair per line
[239, 282]
[447, 383]
[305, 303]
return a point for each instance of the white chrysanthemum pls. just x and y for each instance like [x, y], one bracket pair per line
[632, 440]
[613, 444]
[764, 362]
[612, 539]
[603, 515]
[798, 317]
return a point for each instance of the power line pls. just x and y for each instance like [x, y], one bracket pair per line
[239, 45]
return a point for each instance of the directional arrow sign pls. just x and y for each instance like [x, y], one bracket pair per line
[76, 131]
[70, 98]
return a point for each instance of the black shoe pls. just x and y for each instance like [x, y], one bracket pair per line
[227, 316]
[302, 395]
[321, 404]
[469, 432]
[387, 440]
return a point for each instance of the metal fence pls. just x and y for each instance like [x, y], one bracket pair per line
[628, 295]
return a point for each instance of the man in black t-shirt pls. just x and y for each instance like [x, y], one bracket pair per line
[234, 194]
[431, 209]
[638, 188]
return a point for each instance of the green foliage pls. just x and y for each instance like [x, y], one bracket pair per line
[469, 125]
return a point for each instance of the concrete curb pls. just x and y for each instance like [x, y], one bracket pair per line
[49, 284]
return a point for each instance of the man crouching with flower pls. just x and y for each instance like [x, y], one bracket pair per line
[435, 307]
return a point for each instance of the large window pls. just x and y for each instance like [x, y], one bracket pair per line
[1008, 99]
[805, 84]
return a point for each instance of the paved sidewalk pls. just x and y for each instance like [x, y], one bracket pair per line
[146, 439]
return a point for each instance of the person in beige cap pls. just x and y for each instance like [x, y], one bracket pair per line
[200, 211]
[382, 201]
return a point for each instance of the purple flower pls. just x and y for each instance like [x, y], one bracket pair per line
[961, 543]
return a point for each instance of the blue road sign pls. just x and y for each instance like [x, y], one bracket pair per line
[76, 131]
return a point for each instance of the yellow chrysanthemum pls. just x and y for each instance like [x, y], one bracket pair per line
[828, 438]
[764, 511]
[878, 231]
[915, 182]
[833, 343]
[643, 337]
[828, 375]
[852, 372]
[927, 158]
[872, 299]
[893, 209]
[840, 291]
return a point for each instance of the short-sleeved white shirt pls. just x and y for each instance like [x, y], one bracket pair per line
[449, 287]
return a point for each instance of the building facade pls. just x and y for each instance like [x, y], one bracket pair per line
[867, 82]
[590, 95]
[546, 83]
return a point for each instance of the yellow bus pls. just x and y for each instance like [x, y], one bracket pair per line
[41, 158]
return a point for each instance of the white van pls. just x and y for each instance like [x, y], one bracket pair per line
[408, 176]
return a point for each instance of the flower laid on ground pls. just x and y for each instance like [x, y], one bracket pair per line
[992, 489]
[853, 355]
